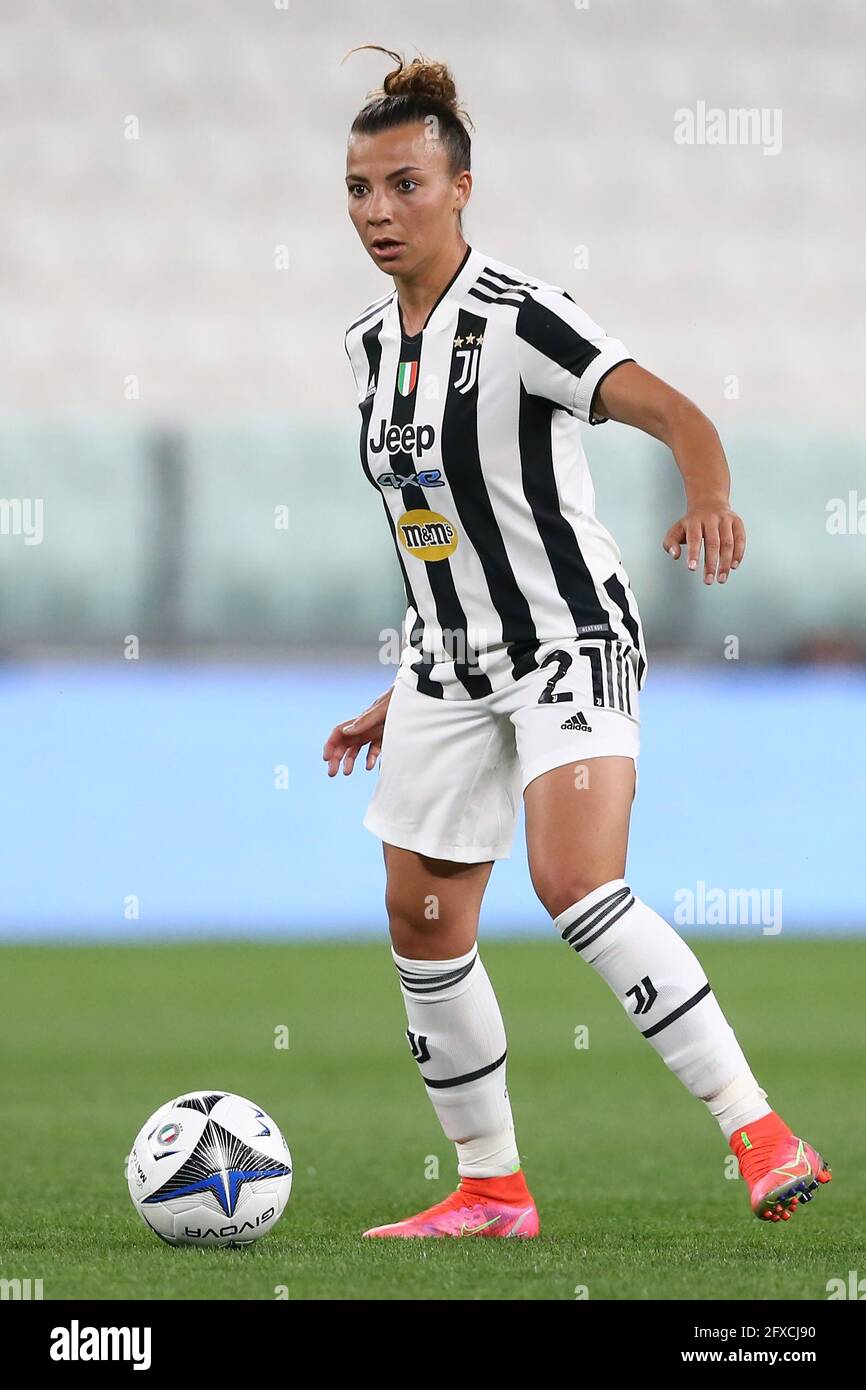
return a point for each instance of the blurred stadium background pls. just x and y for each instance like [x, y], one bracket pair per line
[177, 272]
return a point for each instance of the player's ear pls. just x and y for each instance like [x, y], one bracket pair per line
[462, 190]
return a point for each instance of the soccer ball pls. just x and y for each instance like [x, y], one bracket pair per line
[209, 1168]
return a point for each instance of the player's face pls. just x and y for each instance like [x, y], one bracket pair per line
[402, 198]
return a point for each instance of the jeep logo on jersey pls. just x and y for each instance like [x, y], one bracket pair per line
[403, 439]
[431, 477]
[427, 535]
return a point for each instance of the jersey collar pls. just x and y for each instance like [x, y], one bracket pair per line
[465, 274]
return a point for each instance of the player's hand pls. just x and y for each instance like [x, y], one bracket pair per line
[721, 532]
[344, 743]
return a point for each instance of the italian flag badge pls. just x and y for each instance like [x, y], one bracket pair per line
[407, 375]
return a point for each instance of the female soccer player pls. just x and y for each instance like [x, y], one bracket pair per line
[523, 655]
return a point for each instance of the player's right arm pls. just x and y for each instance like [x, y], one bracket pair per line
[345, 741]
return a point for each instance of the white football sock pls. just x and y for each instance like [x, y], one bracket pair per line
[662, 986]
[739, 1104]
[458, 1040]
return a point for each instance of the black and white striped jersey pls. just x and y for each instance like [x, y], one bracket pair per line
[470, 433]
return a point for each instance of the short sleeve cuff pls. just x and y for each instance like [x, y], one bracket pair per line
[586, 391]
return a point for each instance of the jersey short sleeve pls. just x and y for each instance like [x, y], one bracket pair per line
[564, 356]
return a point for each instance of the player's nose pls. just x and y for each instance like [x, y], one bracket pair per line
[378, 210]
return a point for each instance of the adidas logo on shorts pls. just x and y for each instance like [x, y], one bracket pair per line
[577, 721]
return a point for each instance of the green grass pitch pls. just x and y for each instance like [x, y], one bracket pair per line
[627, 1169]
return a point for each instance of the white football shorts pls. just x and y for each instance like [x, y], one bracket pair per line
[451, 772]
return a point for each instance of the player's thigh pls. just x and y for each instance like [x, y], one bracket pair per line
[432, 904]
[577, 823]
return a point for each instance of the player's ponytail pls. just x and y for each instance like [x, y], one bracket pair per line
[418, 91]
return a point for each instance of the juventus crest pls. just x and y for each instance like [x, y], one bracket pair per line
[467, 351]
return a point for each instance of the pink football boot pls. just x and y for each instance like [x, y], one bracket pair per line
[480, 1207]
[782, 1171]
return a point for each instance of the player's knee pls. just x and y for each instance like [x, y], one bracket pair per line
[559, 890]
[417, 941]
[406, 922]
[418, 929]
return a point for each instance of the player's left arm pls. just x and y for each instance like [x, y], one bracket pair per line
[635, 397]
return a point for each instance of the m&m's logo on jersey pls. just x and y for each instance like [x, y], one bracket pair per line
[407, 375]
[427, 535]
